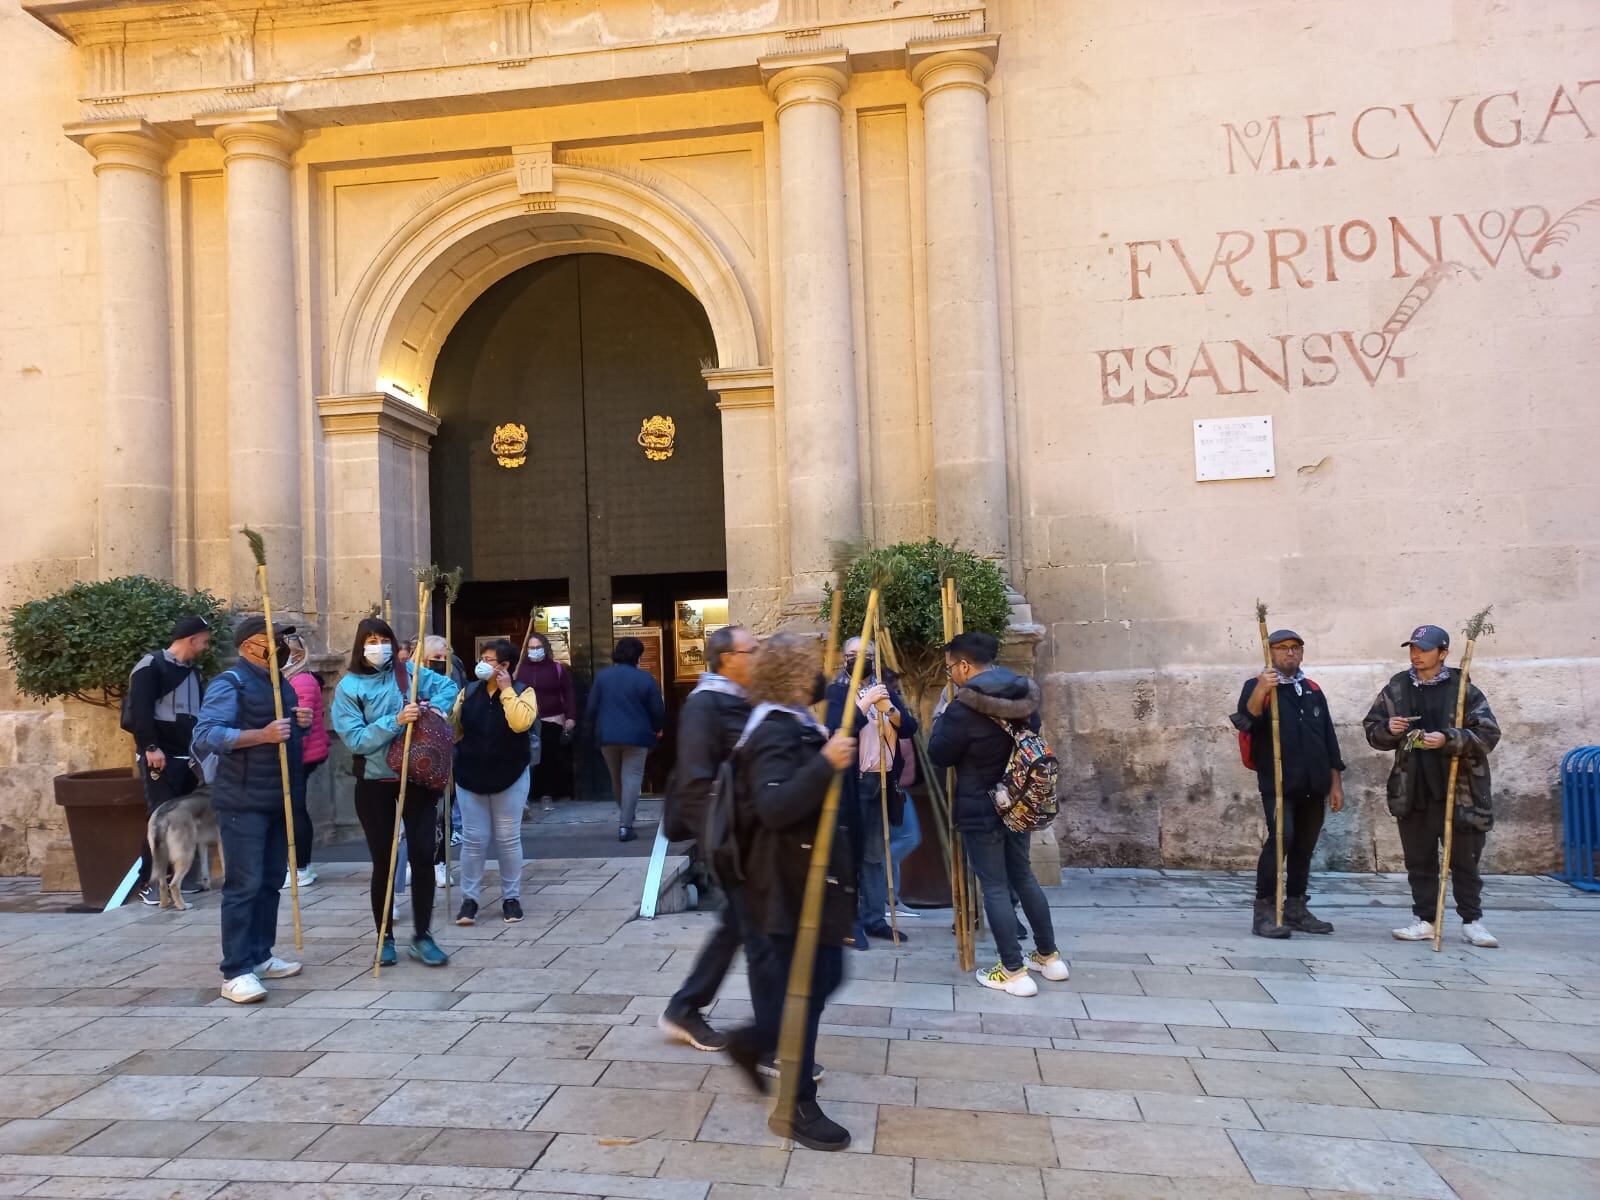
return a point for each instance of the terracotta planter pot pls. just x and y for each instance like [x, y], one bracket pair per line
[924, 881]
[106, 819]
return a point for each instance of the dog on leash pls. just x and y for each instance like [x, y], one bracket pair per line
[179, 830]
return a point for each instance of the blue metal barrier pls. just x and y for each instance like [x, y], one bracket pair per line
[1580, 816]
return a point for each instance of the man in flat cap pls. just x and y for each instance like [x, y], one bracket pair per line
[1312, 769]
[1414, 716]
[239, 724]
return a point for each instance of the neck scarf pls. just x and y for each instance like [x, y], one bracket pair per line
[1444, 674]
[710, 681]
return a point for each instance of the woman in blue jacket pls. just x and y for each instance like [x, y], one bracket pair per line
[369, 712]
[626, 714]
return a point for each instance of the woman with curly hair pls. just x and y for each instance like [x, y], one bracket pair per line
[784, 766]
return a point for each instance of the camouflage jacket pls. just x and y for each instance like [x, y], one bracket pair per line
[1473, 742]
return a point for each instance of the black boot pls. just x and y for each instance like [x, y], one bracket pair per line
[812, 1128]
[1265, 926]
[1301, 919]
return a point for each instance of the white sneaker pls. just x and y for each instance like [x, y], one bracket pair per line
[308, 876]
[1054, 967]
[276, 968]
[244, 989]
[902, 913]
[438, 874]
[1001, 980]
[1418, 931]
[1474, 932]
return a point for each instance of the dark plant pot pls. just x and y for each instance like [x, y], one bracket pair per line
[106, 819]
[924, 880]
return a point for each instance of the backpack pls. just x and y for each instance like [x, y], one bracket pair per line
[717, 826]
[433, 745]
[1247, 750]
[1025, 797]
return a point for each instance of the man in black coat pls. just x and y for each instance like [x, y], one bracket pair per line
[163, 701]
[973, 736]
[1312, 769]
[709, 726]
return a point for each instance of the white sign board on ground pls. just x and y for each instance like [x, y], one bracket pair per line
[1233, 448]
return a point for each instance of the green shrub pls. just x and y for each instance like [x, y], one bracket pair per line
[84, 642]
[908, 576]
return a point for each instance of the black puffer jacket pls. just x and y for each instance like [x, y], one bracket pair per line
[782, 782]
[709, 725]
[969, 737]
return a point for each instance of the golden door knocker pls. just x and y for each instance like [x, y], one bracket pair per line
[657, 435]
[510, 445]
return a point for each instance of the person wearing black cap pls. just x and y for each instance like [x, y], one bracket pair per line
[159, 710]
[1414, 716]
[239, 724]
[1312, 779]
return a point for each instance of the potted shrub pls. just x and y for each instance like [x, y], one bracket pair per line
[909, 576]
[82, 644]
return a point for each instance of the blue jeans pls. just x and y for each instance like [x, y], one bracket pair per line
[999, 858]
[903, 839]
[255, 854]
[492, 820]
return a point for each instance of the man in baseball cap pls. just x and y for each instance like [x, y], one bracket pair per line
[1312, 767]
[1414, 717]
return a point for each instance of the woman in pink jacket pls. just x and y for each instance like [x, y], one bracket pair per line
[307, 686]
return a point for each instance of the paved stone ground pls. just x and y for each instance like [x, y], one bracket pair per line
[1185, 1058]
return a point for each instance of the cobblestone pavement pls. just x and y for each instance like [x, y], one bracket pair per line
[1185, 1058]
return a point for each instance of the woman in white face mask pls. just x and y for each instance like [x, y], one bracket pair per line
[492, 753]
[370, 710]
[551, 682]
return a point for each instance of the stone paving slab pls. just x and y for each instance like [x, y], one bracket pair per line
[1184, 1058]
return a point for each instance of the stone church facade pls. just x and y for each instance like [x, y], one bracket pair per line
[966, 270]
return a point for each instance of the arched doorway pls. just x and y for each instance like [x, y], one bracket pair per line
[582, 350]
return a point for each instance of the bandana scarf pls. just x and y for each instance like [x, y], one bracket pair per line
[1442, 676]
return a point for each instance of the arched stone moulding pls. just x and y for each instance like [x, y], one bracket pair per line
[432, 269]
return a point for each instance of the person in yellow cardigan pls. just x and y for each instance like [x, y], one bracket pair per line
[493, 716]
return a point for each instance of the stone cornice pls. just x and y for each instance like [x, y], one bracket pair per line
[266, 132]
[938, 63]
[377, 413]
[740, 387]
[131, 144]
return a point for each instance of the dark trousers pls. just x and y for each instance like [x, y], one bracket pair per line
[735, 930]
[375, 801]
[552, 774]
[255, 852]
[1421, 836]
[769, 981]
[1302, 825]
[303, 833]
[999, 858]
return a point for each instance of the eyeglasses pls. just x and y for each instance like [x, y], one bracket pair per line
[731, 653]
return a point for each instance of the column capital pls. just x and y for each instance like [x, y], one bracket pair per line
[377, 412]
[131, 144]
[740, 387]
[938, 63]
[811, 78]
[267, 132]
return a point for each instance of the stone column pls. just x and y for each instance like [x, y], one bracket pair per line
[135, 520]
[819, 392]
[969, 428]
[263, 348]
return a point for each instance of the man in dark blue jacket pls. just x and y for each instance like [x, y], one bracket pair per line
[626, 714]
[973, 736]
[238, 724]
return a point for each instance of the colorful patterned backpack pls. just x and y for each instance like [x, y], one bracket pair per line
[433, 745]
[1025, 797]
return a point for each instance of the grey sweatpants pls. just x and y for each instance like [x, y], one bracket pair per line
[626, 764]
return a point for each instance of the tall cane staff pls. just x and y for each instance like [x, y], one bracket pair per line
[1476, 628]
[797, 999]
[388, 609]
[885, 756]
[1277, 757]
[527, 637]
[427, 578]
[258, 547]
[830, 653]
[960, 895]
[452, 589]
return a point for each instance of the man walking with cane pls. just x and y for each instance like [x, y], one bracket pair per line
[1415, 716]
[1312, 778]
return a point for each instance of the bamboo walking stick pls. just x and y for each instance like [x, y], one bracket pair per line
[885, 754]
[452, 589]
[425, 580]
[797, 998]
[830, 653]
[258, 548]
[1476, 627]
[1277, 759]
[388, 609]
[960, 894]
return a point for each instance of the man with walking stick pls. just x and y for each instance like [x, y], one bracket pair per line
[1441, 730]
[1312, 777]
[238, 723]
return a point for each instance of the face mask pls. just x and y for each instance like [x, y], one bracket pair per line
[536, 655]
[484, 671]
[284, 656]
[436, 665]
[819, 688]
[378, 654]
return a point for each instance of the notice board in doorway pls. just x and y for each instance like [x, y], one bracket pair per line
[651, 660]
